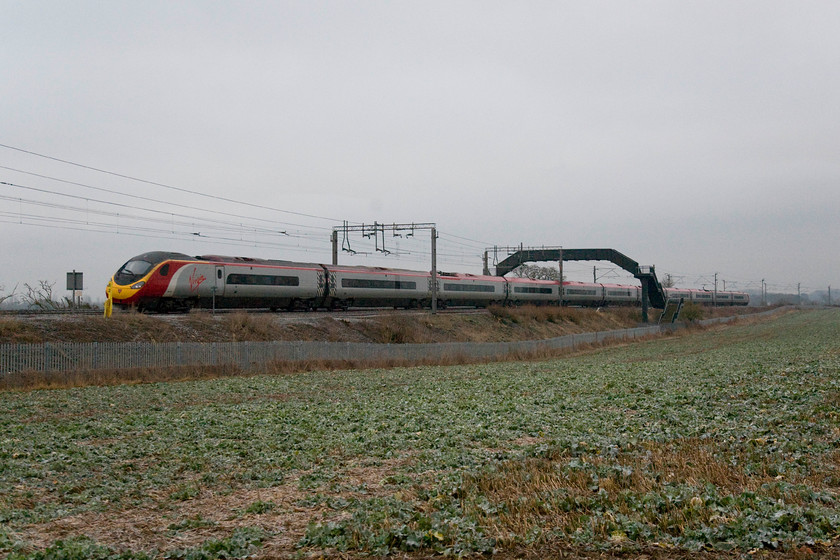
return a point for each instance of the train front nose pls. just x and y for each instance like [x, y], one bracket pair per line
[129, 280]
[125, 295]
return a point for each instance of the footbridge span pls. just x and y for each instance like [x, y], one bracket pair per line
[652, 292]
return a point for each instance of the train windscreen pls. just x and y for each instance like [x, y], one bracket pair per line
[139, 266]
[131, 271]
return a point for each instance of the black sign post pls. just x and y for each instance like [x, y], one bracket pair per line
[74, 284]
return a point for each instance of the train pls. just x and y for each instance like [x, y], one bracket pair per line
[161, 281]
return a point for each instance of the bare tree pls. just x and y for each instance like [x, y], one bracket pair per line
[6, 296]
[668, 281]
[535, 272]
[41, 297]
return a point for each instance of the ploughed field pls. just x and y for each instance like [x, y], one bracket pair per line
[721, 443]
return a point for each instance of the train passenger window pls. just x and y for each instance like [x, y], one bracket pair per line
[164, 270]
[468, 288]
[262, 280]
[531, 290]
[219, 274]
[378, 284]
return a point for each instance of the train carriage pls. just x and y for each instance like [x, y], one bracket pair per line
[527, 291]
[619, 294]
[722, 298]
[676, 293]
[582, 293]
[351, 286]
[740, 298]
[274, 284]
[470, 290]
[702, 297]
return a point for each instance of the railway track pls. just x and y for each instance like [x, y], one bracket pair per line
[47, 312]
[352, 312]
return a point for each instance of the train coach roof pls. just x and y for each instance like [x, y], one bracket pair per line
[160, 256]
[254, 261]
[468, 276]
[374, 269]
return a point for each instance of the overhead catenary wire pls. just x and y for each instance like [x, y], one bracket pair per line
[231, 228]
[450, 258]
[164, 235]
[127, 206]
[101, 189]
[481, 244]
[457, 257]
[170, 187]
[168, 218]
[168, 203]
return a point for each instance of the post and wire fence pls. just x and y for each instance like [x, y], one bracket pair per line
[251, 357]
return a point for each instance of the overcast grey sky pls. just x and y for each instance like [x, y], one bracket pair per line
[701, 137]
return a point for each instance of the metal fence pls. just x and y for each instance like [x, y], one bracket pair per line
[69, 356]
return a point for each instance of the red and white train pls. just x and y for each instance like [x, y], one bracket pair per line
[163, 281]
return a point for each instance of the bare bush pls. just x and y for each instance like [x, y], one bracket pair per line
[539, 313]
[692, 312]
[250, 326]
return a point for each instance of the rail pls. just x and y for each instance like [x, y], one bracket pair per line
[38, 312]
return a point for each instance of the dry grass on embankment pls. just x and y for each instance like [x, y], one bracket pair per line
[494, 325]
[498, 324]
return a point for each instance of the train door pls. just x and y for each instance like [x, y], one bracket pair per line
[219, 281]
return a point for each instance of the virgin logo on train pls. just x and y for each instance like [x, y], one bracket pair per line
[196, 279]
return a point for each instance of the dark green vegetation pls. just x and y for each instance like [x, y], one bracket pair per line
[726, 441]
